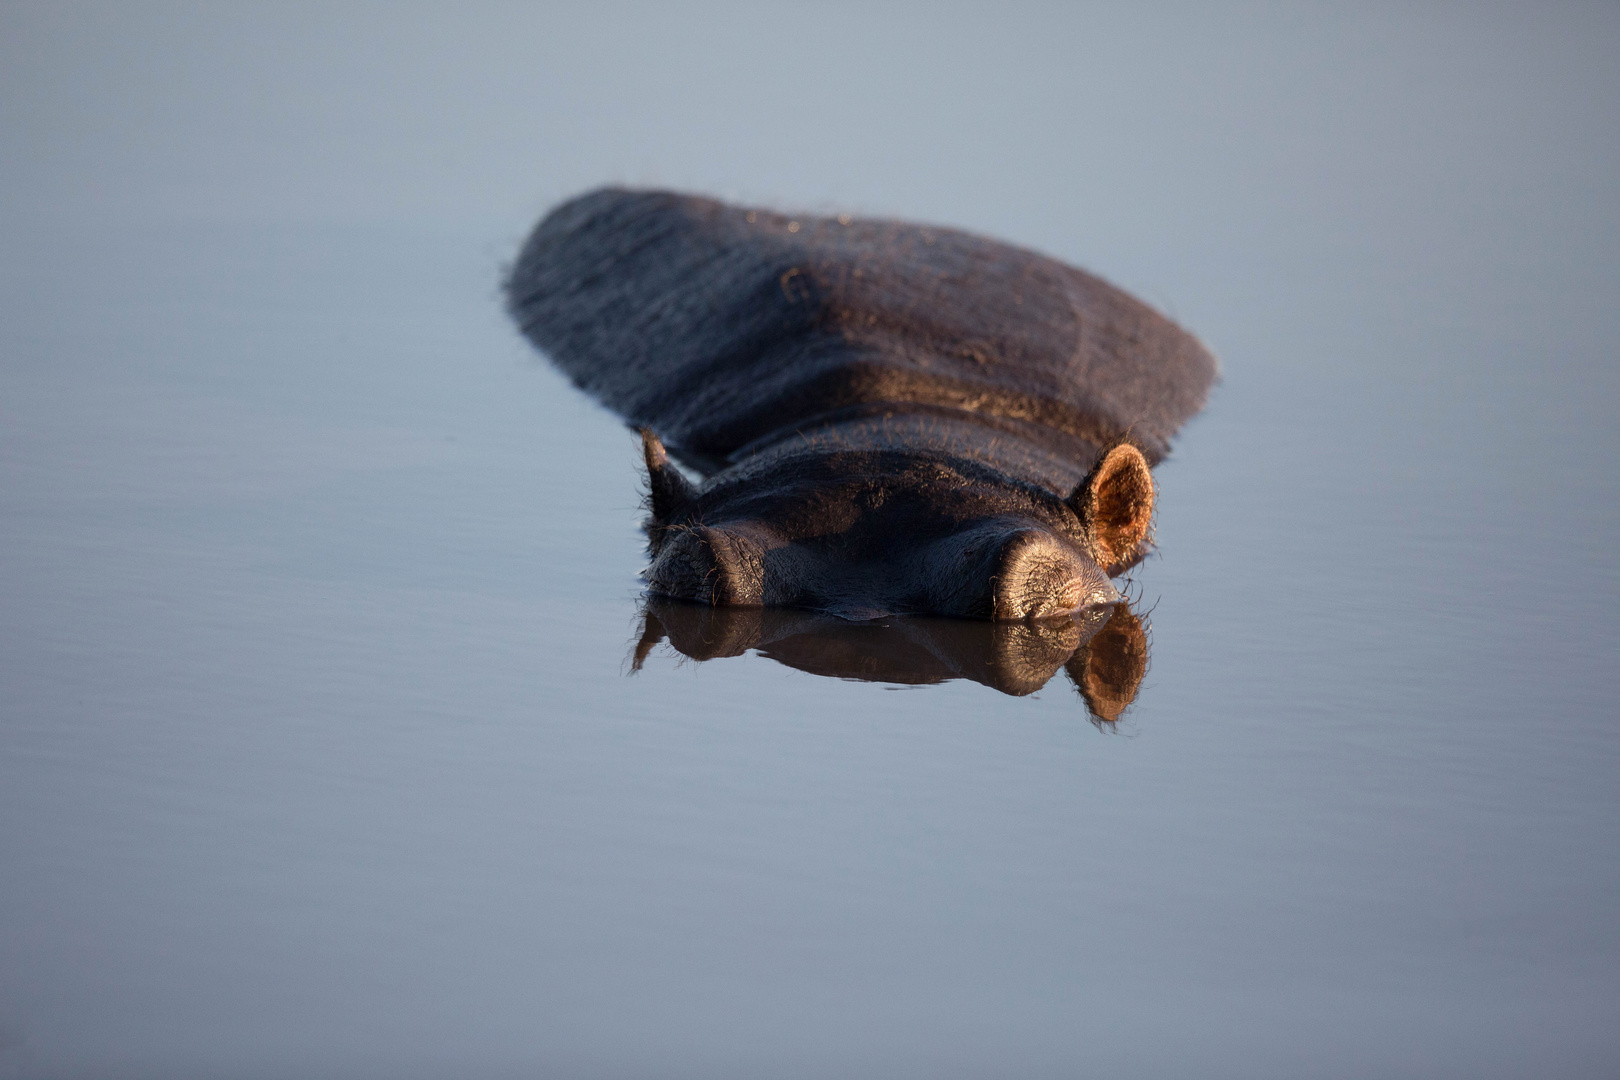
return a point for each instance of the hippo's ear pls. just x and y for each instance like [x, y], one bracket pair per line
[1115, 506]
[669, 491]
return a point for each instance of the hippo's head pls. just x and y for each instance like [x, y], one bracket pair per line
[860, 533]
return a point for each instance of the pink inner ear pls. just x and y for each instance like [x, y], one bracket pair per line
[1122, 507]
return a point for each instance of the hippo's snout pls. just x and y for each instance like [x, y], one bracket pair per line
[715, 566]
[1039, 576]
[1012, 573]
[1009, 571]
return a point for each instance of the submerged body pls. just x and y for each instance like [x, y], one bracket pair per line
[889, 418]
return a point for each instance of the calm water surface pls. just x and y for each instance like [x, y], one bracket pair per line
[323, 746]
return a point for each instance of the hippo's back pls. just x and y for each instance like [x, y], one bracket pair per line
[724, 329]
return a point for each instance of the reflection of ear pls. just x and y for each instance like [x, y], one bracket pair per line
[1108, 669]
[1115, 506]
[668, 490]
[652, 632]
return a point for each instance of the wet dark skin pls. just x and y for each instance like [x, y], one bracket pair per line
[886, 418]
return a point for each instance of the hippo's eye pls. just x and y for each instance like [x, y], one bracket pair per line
[715, 566]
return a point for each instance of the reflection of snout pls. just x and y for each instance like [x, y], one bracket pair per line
[1104, 649]
[1015, 658]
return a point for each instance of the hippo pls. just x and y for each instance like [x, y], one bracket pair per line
[881, 418]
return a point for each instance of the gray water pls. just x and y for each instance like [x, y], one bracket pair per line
[320, 749]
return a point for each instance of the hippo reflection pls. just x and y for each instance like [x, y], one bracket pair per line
[1103, 650]
[887, 418]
